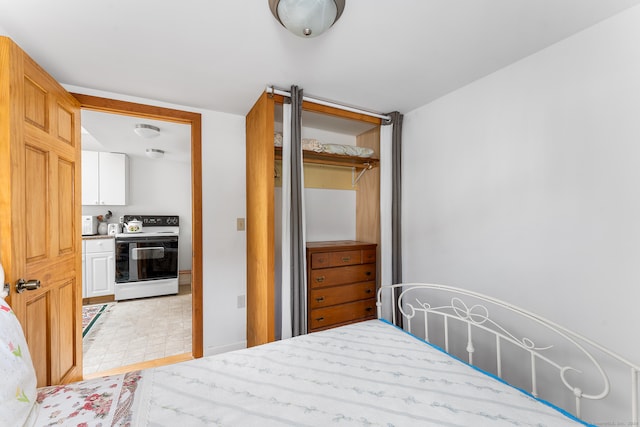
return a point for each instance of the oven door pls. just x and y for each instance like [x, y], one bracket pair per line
[146, 258]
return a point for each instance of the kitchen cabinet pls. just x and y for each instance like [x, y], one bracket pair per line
[100, 274]
[104, 178]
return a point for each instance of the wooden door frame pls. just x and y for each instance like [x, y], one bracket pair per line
[260, 208]
[106, 105]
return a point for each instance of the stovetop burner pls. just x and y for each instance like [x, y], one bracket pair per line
[153, 226]
[155, 220]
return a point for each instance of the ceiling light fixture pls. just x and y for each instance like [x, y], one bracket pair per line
[154, 153]
[146, 131]
[307, 18]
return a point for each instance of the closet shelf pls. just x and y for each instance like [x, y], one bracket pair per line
[334, 159]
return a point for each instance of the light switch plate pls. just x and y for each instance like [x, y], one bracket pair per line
[240, 224]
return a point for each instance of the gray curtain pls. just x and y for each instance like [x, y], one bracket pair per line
[298, 250]
[396, 202]
[396, 198]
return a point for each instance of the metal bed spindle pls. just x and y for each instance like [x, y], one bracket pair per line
[498, 357]
[470, 348]
[634, 396]
[534, 378]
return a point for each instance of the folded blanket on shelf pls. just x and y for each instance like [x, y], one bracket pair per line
[348, 150]
[310, 144]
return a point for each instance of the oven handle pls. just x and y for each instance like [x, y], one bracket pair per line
[153, 252]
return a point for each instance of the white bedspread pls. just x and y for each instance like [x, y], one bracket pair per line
[367, 374]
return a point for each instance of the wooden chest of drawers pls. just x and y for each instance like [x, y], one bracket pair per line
[341, 283]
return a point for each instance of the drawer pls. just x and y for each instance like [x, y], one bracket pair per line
[369, 255]
[342, 275]
[343, 313]
[99, 245]
[320, 260]
[325, 297]
[336, 259]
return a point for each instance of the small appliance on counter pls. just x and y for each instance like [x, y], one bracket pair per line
[114, 229]
[89, 225]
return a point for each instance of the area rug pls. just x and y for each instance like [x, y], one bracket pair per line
[90, 314]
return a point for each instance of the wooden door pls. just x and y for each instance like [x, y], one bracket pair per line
[40, 210]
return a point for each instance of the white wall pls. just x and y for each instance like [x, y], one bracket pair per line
[157, 187]
[330, 214]
[525, 185]
[223, 200]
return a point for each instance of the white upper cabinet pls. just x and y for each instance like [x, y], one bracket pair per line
[90, 184]
[104, 178]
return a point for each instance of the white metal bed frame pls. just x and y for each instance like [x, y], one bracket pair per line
[413, 305]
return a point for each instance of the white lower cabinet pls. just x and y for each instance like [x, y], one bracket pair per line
[99, 274]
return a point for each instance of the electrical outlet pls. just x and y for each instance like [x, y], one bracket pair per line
[240, 224]
[241, 302]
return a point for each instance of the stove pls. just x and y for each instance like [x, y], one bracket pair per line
[147, 261]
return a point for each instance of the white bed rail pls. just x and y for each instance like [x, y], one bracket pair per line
[415, 303]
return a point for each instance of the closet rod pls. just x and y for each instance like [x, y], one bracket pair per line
[274, 91]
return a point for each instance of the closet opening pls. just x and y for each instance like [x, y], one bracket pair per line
[338, 203]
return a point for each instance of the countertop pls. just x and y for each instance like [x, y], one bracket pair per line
[97, 236]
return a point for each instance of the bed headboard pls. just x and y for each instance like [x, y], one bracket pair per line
[540, 356]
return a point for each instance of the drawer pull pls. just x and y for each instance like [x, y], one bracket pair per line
[319, 319]
[320, 299]
[346, 258]
[320, 279]
[368, 273]
[368, 309]
[368, 291]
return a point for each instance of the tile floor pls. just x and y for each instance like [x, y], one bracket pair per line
[139, 330]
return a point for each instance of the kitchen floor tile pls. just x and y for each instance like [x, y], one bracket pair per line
[136, 331]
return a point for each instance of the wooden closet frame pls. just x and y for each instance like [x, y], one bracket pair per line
[260, 163]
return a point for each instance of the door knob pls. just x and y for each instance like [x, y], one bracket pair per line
[31, 285]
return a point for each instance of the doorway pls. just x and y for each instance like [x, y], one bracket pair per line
[143, 113]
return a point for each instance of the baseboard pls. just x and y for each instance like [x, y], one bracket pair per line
[98, 300]
[210, 351]
[184, 277]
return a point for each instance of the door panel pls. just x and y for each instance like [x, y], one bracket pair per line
[40, 208]
[37, 165]
[66, 237]
[35, 104]
[36, 330]
[66, 326]
[65, 124]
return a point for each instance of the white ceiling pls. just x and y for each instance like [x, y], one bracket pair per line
[114, 133]
[381, 55]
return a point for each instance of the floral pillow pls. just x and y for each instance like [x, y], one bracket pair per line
[17, 376]
[97, 402]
